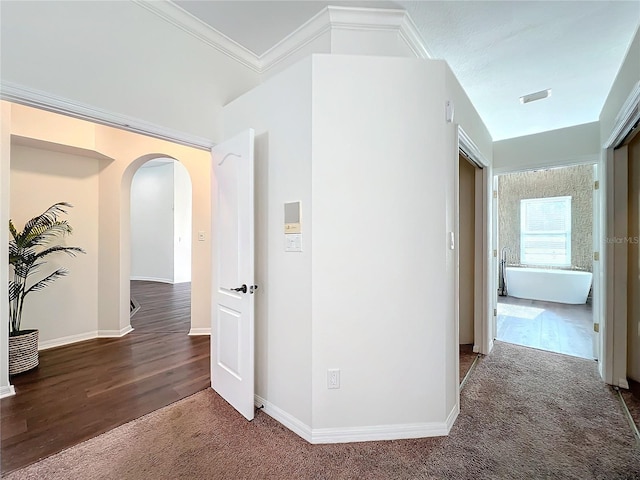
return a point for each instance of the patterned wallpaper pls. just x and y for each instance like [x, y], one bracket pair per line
[575, 181]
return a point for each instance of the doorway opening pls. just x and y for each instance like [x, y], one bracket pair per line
[161, 218]
[546, 267]
[467, 264]
[472, 237]
[100, 370]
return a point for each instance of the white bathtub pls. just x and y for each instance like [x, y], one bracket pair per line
[562, 286]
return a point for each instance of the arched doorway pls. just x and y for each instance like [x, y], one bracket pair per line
[161, 220]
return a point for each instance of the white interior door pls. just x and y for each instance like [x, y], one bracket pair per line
[232, 332]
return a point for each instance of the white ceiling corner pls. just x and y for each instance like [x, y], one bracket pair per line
[498, 50]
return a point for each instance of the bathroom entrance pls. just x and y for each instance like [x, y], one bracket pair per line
[545, 249]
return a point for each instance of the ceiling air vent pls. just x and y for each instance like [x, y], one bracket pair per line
[532, 97]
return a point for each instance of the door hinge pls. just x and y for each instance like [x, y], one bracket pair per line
[596, 256]
[495, 312]
[495, 253]
[596, 327]
[596, 185]
[495, 194]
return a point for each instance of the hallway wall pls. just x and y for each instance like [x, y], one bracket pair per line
[633, 272]
[627, 79]
[565, 146]
[152, 223]
[161, 222]
[68, 308]
[5, 172]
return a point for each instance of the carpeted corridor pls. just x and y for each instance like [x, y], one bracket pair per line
[525, 414]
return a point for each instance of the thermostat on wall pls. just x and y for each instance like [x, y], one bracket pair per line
[292, 217]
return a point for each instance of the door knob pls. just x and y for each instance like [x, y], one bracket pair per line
[242, 289]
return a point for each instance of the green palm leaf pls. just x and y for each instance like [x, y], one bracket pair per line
[48, 280]
[28, 250]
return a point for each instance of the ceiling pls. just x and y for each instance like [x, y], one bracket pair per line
[498, 50]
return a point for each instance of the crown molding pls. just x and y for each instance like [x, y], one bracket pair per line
[178, 17]
[411, 36]
[31, 97]
[312, 29]
[360, 18]
[380, 19]
[328, 19]
[468, 146]
[626, 119]
[346, 18]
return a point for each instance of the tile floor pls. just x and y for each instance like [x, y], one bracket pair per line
[556, 327]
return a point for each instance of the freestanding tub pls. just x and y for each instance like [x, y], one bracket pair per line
[551, 285]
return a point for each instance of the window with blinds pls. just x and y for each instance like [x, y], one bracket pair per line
[545, 231]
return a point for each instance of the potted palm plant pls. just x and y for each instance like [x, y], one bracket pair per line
[28, 251]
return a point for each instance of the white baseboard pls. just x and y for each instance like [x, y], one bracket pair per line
[199, 331]
[59, 342]
[292, 423]
[379, 432]
[115, 333]
[81, 337]
[476, 349]
[7, 391]
[623, 383]
[453, 415]
[152, 279]
[358, 434]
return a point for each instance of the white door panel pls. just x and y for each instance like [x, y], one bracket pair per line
[232, 342]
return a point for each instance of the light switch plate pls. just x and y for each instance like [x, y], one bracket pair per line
[293, 242]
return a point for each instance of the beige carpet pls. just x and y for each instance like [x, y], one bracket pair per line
[525, 414]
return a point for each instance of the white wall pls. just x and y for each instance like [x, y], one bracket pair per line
[120, 57]
[577, 144]
[152, 236]
[383, 174]
[182, 224]
[619, 365]
[372, 293]
[280, 112]
[161, 223]
[5, 154]
[68, 307]
[466, 115]
[627, 77]
[633, 273]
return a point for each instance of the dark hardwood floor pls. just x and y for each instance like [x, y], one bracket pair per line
[82, 390]
[467, 357]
